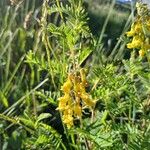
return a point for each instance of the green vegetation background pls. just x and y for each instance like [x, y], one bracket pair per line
[32, 72]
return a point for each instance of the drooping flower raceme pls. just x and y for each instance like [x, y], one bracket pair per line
[140, 31]
[75, 98]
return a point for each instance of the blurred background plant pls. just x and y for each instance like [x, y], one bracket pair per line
[41, 43]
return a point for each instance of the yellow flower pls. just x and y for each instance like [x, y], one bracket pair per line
[61, 105]
[86, 98]
[136, 42]
[140, 30]
[141, 52]
[138, 27]
[130, 33]
[68, 110]
[79, 89]
[68, 120]
[75, 97]
[67, 86]
[130, 45]
[135, 29]
[63, 102]
[77, 110]
[68, 116]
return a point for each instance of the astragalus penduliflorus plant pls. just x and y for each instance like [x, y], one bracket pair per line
[140, 30]
[75, 98]
[64, 103]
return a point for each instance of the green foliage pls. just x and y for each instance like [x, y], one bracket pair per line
[44, 137]
[41, 43]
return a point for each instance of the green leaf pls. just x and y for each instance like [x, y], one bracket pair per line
[3, 99]
[84, 55]
[104, 116]
[27, 122]
[102, 140]
[41, 139]
[43, 116]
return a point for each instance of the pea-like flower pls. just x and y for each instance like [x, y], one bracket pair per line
[75, 98]
[136, 42]
[67, 86]
[140, 31]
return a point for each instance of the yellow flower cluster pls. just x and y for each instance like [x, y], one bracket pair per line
[75, 97]
[140, 30]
